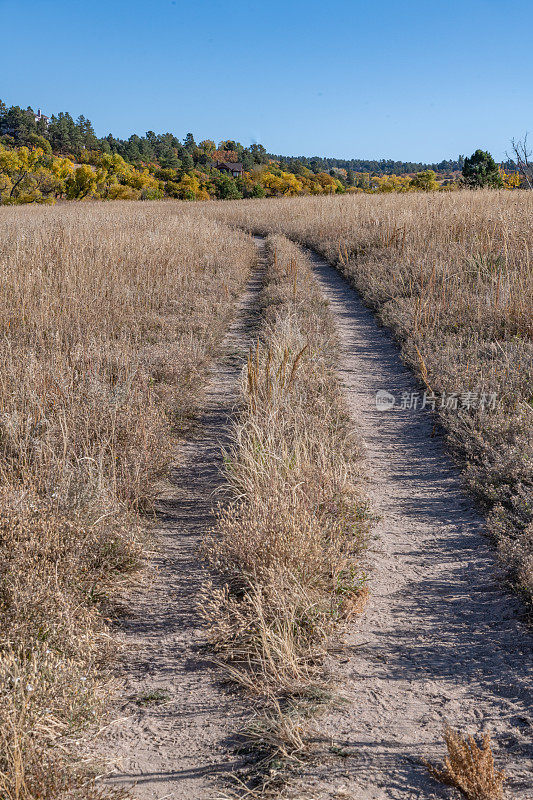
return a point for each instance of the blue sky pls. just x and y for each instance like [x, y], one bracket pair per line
[407, 80]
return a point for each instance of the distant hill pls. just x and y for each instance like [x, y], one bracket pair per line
[383, 166]
[68, 136]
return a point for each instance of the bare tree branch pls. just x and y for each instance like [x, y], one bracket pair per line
[523, 159]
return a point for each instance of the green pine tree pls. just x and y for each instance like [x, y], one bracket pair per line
[481, 170]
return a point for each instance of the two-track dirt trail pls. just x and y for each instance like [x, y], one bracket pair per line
[173, 734]
[440, 639]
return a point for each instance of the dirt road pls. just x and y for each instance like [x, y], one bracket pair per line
[440, 639]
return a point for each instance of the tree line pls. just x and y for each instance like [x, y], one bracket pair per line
[43, 160]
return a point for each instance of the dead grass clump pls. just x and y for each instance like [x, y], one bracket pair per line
[451, 275]
[470, 767]
[280, 735]
[108, 317]
[270, 635]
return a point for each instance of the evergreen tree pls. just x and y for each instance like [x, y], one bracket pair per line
[481, 170]
[133, 149]
[147, 150]
[62, 133]
[247, 160]
[227, 188]
[85, 136]
[169, 160]
[257, 191]
[259, 154]
[18, 123]
[187, 162]
[189, 143]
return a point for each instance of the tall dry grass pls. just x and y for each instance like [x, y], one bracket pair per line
[289, 542]
[452, 276]
[108, 317]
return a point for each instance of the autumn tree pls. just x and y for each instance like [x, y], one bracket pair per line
[425, 181]
[34, 140]
[81, 184]
[231, 156]
[208, 146]
[31, 175]
[511, 180]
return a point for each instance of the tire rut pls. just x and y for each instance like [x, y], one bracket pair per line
[174, 733]
[441, 640]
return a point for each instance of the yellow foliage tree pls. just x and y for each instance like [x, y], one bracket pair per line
[81, 183]
[511, 180]
[327, 182]
[31, 176]
[425, 181]
[391, 183]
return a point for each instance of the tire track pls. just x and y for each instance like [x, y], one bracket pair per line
[441, 640]
[174, 733]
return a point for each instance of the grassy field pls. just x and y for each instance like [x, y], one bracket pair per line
[451, 275]
[108, 319]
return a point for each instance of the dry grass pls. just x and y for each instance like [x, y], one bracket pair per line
[452, 275]
[289, 541]
[470, 767]
[106, 327]
[280, 734]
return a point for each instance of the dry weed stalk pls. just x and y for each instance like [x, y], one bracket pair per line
[280, 734]
[470, 767]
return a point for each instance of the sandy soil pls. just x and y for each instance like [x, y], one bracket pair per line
[173, 733]
[440, 641]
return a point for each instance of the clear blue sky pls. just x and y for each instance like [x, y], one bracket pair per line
[405, 79]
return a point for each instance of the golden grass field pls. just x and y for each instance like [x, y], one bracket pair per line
[109, 317]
